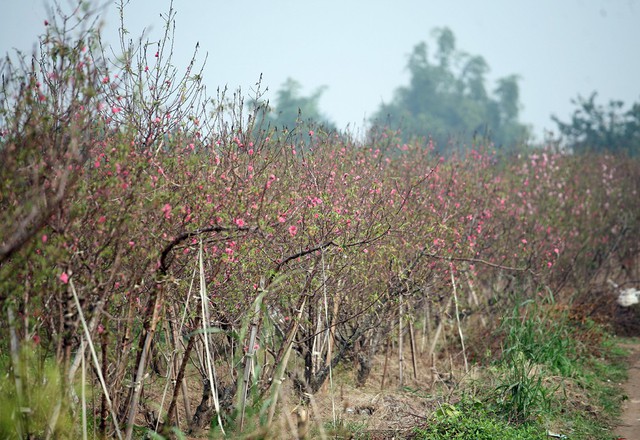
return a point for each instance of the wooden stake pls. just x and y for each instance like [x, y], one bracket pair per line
[434, 342]
[413, 350]
[455, 298]
[400, 353]
[386, 362]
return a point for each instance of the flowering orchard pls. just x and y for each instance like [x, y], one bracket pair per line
[150, 235]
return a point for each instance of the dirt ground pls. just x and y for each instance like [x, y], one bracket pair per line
[629, 428]
[384, 409]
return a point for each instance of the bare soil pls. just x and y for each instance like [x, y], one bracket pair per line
[387, 409]
[629, 428]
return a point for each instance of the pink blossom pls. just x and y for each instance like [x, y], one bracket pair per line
[44, 238]
[239, 222]
[115, 109]
[166, 209]
[293, 230]
[64, 277]
[311, 133]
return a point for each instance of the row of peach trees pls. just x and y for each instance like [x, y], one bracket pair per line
[150, 234]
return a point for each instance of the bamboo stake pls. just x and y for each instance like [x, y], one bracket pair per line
[476, 302]
[104, 410]
[436, 336]
[82, 392]
[426, 326]
[455, 298]
[413, 350]
[95, 359]
[316, 347]
[251, 352]
[205, 322]
[328, 336]
[171, 361]
[332, 328]
[95, 318]
[174, 360]
[400, 343]
[180, 378]
[139, 377]
[278, 376]
[384, 368]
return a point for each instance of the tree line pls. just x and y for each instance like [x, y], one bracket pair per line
[449, 101]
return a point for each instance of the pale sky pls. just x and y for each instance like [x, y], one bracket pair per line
[359, 49]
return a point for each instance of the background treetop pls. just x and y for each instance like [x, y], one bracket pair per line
[447, 98]
[292, 108]
[599, 128]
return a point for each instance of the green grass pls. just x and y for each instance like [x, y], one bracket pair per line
[475, 420]
[551, 376]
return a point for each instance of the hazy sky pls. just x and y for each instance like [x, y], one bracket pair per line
[359, 49]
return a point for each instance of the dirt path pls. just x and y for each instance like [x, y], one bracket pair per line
[629, 428]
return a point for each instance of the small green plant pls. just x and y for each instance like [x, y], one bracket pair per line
[522, 394]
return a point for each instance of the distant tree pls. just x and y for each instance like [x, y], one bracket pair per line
[594, 127]
[447, 99]
[292, 109]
